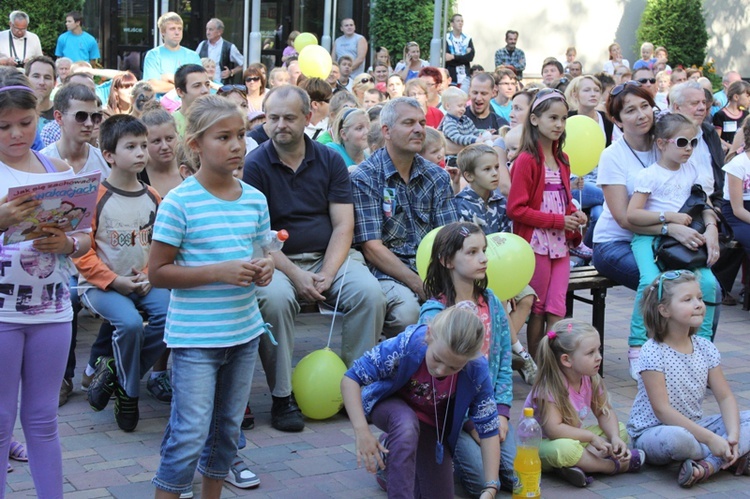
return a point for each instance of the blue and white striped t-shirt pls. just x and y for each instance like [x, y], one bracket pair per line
[208, 230]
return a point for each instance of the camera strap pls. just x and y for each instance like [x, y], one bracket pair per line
[11, 43]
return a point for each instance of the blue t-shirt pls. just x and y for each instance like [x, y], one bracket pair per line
[161, 60]
[81, 47]
[207, 230]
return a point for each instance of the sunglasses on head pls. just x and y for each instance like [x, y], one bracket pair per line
[670, 276]
[252, 78]
[619, 88]
[367, 80]
[82, 116]
[643, 81]
[233, 88]
[682, 142]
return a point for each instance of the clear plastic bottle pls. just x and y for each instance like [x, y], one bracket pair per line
[273, 241]
[527, 468]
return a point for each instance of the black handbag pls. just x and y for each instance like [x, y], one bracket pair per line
[670, 254]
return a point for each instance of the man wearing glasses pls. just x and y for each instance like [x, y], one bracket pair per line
[78, 114]
[228, 59]
[17, 45]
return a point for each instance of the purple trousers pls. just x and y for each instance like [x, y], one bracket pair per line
[33, 357]
[411, 468]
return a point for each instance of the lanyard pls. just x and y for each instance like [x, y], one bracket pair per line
[12, 45]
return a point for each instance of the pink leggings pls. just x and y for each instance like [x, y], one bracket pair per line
[34, 356]
[550, 282]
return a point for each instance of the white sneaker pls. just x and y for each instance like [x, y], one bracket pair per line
[633, 355]
[187, 495]
[241, 476]
[529, 369]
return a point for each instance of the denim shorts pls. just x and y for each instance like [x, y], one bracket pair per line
[211, 388]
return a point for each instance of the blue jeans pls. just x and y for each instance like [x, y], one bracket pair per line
[741, 229]
[614, 260]
[210, 391]
[467, 462]
[644, 256]
[591, 197]
[135, 347]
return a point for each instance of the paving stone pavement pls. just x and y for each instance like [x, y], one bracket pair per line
[99, 460]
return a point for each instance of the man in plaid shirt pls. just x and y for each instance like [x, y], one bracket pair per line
[510, 55]
[398, 198]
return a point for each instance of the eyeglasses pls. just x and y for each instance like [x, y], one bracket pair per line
[643, 81]
[233, 88]
[367, 80]
[671, 275]
[252, 78]
[546, 94]
[82, 116]
[682, 142]
[619, 88]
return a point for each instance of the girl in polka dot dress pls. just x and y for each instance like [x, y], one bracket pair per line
[675, 367]
[542, 210]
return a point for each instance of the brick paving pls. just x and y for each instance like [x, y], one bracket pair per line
[99, 460]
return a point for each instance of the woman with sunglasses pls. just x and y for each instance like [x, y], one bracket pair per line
[120, 98]
[35, 330]
[361, 84]
[646, 78]
[631, 108]
[255, 81]
[660, 190]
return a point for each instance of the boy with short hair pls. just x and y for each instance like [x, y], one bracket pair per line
[345, 70]
[190, 82]
[482, 204]
[372, 98]
[114, 271]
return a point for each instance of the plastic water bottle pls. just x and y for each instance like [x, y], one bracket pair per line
[273, 241]
[527, 468]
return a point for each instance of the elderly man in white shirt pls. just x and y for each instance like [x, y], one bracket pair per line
[17, 44]
[228, 59]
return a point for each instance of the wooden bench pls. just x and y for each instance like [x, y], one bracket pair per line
[588, 278]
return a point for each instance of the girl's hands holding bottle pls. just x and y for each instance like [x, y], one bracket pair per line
[368, 450]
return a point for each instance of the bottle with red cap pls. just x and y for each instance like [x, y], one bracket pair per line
[273, 241]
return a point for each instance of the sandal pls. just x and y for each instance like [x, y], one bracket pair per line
[575, 476]
[687, 477]
[18, 451]
[10, 468]
[637, 459]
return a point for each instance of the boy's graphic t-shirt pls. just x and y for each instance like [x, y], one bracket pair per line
[123, 227]
[207, 230]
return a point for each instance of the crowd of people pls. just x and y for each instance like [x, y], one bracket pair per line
[196, 170]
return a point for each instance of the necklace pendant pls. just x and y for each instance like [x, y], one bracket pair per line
[439, 453]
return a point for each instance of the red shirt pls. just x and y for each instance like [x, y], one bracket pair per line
[433, 117]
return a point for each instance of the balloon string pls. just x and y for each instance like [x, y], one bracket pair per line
[336, 307]
[580, 202]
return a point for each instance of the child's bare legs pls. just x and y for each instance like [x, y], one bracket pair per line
[592, 462]
[211, 488]
[519, 314]
[161, 364]
[552, 319]
[534, 332]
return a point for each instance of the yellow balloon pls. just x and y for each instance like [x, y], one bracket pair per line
[424, 252]
[315, 62]
[316, 382]
[510, 264]
[303, 40]
[584, 143]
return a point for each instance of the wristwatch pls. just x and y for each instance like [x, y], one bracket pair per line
[662, 217]
[664, 229]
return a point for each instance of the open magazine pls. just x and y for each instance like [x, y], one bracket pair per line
[66, 204]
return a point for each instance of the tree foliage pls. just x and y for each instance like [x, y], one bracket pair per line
[396, 22]
[47, 19]
[678, 25]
